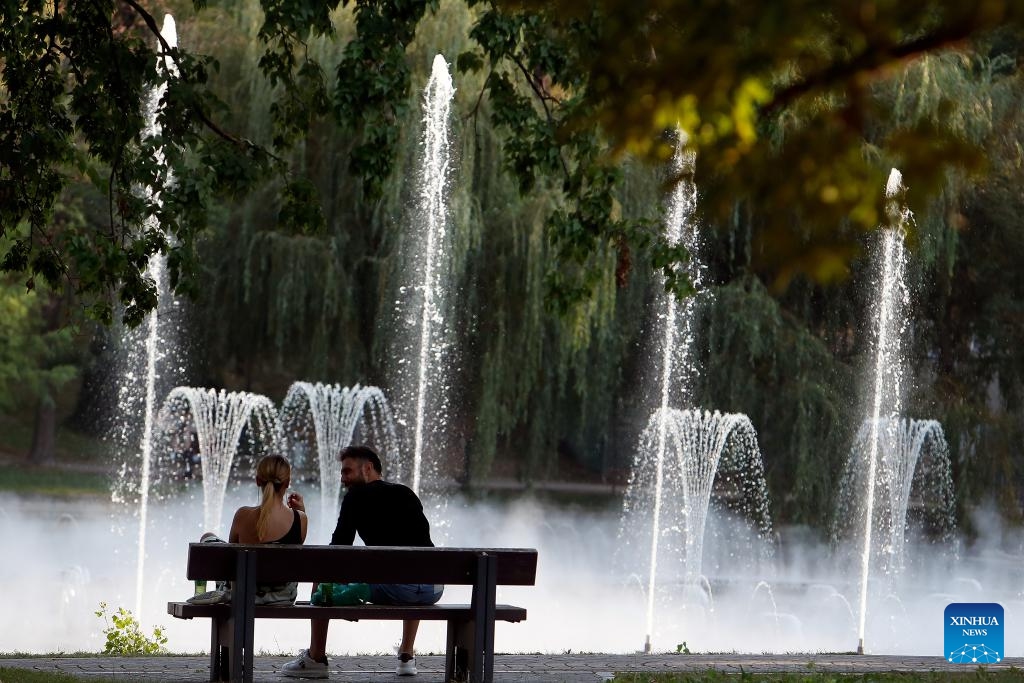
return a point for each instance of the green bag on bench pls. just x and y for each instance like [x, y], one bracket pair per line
[340, 594]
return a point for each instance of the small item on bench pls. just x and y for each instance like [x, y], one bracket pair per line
[277, 594]
[208, 537]
[267, 595]
[340, 594]
[214, 597]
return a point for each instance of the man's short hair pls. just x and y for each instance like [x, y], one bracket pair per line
[364, 453]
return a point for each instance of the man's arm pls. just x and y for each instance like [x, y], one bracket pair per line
[345, 531]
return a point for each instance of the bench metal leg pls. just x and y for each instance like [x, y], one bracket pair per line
[459, 654]
[481, 666]
[243, 617]
[220, 638]
[487, 643]
[222, 631]
[237, 650]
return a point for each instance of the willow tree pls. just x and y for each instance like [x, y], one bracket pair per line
[276, 306]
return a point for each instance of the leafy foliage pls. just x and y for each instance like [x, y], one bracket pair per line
[792, 90]
[125, 637]
[34, 360]
[570, 84]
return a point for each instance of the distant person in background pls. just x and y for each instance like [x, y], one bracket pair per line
[382, 513]
[186, 445]
[272, 521]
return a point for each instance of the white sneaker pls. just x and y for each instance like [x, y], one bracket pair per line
[304, 666]
[406, 667]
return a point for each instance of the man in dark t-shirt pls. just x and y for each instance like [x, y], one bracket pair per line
[382, 513]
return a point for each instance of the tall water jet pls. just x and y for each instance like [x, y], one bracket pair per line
[703, 454]
[219, 419]
[423, 302]
[333, 416]
[890, 322]
[157, 344]
[913, 457]
[675, 349]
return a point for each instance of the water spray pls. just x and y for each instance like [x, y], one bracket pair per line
[155, 267]
[887, 367]
[434, 180]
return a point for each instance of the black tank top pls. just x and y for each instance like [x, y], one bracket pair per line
[294, 534]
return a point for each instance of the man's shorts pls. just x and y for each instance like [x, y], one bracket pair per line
[405, 593]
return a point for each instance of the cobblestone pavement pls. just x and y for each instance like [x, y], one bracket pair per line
[507, 668]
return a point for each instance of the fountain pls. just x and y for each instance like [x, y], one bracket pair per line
[886, 404]
[151, 344]
[330, 415]
[701, 453]
[886, 453]
[696, 438]
[691, 463]
[913, 456]
[423, 381]
[679, 230]
[218, 419]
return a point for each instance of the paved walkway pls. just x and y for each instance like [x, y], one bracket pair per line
[507, 668]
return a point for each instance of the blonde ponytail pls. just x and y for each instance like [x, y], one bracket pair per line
[272, 473]
[266, 505]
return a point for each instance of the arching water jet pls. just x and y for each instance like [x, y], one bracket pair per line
[705, 453]
[335, 413]
[219, 419]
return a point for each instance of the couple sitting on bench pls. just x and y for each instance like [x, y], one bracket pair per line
[381, 512]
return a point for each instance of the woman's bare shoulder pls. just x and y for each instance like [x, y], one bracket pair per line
[246, 511]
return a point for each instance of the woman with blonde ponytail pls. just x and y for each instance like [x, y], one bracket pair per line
[274, 520]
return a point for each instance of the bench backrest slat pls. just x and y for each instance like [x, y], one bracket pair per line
[377, 564]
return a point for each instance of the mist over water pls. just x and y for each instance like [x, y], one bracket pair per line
[801, 598]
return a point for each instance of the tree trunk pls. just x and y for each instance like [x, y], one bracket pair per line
[44, 437]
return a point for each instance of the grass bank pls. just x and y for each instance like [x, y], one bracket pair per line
[82, 465]
[53, 481]
[969, 675]
[8, 675]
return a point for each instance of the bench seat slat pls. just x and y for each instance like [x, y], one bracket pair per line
[303, 610]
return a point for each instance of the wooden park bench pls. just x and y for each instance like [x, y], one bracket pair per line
[470, 645]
